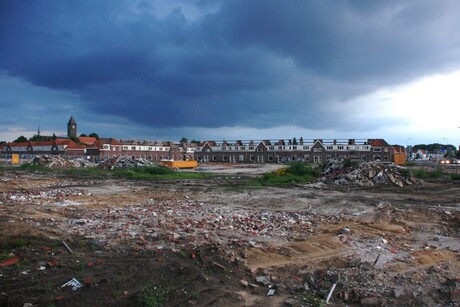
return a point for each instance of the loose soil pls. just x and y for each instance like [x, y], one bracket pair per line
[206, 242]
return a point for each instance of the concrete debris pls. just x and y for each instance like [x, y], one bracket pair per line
[126, 162]
[366, 174]
[369, 301]
[58, 162]
[292, 302]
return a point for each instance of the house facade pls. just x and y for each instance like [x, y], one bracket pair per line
[153, 151]
[31, 149]
[275, 151]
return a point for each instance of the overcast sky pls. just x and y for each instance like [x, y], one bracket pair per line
[237, 69]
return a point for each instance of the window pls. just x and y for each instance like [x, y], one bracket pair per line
[251, 147]
[133, 147]
[214, 158]
[377, 149]
[241, 158]
[330, 147]
[272, 147]
[251, 158]
[270, 158]
[306, 147]
[243, 148]
[224, 158]
[294, 147]
[340, 147]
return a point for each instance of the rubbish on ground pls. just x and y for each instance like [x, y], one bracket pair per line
[75, 284]
[68, 248]
[377, 259]
[9, 261]
[330, 293]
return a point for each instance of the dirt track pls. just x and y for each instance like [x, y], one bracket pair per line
[204, 242]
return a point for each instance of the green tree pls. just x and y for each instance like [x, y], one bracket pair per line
[36, 138]
[83, 135]
[195, 141]
[183, 140]
[94, 135]
[54, 137]
[294, 141]
[20, 139]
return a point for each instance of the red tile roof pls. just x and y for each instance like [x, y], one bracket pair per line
[73, 145]
[378, 143]
[88, 140]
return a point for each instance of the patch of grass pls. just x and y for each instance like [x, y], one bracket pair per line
[19, 243]
[424, 174]
[152, 296]
[455, 176]
[35, 167]
[296, 172]
[4, 256]
[312, 299]
[156, 173]
[410, 163]
[405, 172]
[141, 173]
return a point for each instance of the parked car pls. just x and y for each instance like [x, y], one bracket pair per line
[444, 161]
[453, 161]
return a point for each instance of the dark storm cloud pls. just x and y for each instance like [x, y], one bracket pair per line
[249, 63]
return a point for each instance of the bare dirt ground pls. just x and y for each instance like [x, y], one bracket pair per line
[215, 242]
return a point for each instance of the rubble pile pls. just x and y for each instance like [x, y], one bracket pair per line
[58, 162]
[363, 284]
[178, 224]
[125, 162]
[167, 224]
[38, 196]
[366, 174]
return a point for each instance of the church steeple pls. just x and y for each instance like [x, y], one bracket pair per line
[72, 127]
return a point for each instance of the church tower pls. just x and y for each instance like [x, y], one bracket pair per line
[72, 128]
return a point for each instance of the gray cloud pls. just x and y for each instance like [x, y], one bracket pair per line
[239, 63]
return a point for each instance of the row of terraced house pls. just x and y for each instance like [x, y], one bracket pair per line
[263, 151]
[251, 151]
[275, 151]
